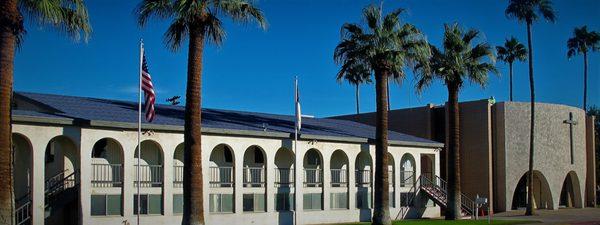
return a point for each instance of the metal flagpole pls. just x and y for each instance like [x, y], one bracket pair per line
[296, 152]
[139, 149]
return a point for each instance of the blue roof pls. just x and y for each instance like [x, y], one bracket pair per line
[95, 109]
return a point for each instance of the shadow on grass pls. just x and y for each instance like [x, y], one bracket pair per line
[450, 222]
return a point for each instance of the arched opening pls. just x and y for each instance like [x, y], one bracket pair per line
[339, 180]
[284, 179]
[313, 180]
[150, 178]
[363, 175]
[428, 166]
[107, 178]
[407, 170]
[61, 181]
[178, 179]
[221, 180]
[392, 179]
[570, 194]
[22, 173]
[541, 192]
[178, 166]
[254, 197]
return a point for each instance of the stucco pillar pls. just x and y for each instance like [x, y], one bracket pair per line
[326, 181]
[239, 179]
[38, 180]
[168, 151]
[299, 183]
[351, 181]
[396, 180]
[129, 173]
[270, 181]
[85, 158]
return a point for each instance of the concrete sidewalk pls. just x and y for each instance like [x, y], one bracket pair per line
[586, 216]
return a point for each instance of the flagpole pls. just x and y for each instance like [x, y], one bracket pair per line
[296, 152]
[139, 134]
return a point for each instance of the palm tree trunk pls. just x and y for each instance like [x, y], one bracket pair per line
[511, 80]
[453, 209]
[585, 66]
[193, 206]
[9, 17]
[357, 100]
[530, 210]
[388, 94]
[381, 212]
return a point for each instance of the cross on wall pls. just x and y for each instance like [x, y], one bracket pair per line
[572, 122]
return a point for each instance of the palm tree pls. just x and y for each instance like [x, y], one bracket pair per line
[356, 76]
[384, 47]
[511, 51]
[529, 11]
[68, 16]
[460, 60]
[582, 42]
[199, 22]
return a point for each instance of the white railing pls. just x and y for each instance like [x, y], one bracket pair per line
[284, 177]
[254, 177]
[391, 177]
[178, 176]
[221, 177]
[313, 178]
[150, 176]
[363, 178]
[339, 178]
[23, 214]
[107, 175]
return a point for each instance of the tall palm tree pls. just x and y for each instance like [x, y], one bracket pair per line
[529, 11]
[582, 42]
[385, 47]
[356, 76]
[511, 51]
[198, 21]
[459, 61]
[68, 16]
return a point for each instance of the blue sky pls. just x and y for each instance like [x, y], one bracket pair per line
[254, 69]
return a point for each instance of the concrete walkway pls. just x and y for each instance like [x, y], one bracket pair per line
[587, 216]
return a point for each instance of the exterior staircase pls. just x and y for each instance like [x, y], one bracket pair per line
[436, 190]
[62, 186]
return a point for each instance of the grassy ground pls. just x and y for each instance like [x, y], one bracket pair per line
[456, 222]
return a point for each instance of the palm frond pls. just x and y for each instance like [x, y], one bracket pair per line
[161, 9]
[66, 16]
[242, 11]
[177, 32]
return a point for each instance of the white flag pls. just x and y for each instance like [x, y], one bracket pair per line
[298, 111]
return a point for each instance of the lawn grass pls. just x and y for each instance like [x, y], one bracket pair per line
[451, 222]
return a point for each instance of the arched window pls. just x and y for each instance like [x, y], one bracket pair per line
[407, 170]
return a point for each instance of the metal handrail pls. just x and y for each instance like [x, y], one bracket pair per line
[284, 177]
[363, 177]
[23, 213]
[339, 178]
[150, 176]
[107, 175]
[254, 176]
[221, 177]
[66, 182]
[313, 178]
[178, 176]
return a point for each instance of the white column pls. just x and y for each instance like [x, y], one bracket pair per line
[299, 182]
[239, 179]
[85, 155]
[351, 180]
[168, 179]
[129, 173]
[270, 181]
[397, 192]
[326, 179]
[38, 181]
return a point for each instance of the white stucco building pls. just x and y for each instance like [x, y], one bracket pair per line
[75, 163]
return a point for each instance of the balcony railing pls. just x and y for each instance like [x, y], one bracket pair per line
[178, 176]
[363, 178]
[339, 178]
[284, 177]
[392, 177]
[150, 176]
[254, 177]
[313, 178]
[221, 177]
[107, 175]
[23, 214]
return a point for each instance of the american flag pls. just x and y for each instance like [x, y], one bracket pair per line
[148, 89]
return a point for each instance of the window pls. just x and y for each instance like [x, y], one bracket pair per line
[178, 203]
[221, 203]
[363, 199]
[312, 201]
[149, 204]
[338, 201]
[254, 203]
[103, 205]
[392, 200]
[284, 202]
[407, 171]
